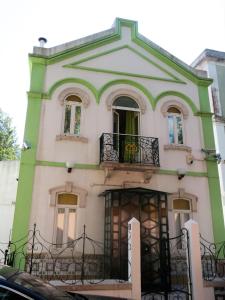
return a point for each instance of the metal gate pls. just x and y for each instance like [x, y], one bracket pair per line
[164, 268]
[150, 208]
[180, 286]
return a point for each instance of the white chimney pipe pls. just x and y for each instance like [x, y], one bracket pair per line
[42, 41]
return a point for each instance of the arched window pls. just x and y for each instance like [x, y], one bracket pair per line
[72, 115]
[124, 101]
[126, 115]
[175, 125]
[65, 219]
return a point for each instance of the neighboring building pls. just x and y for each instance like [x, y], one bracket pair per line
[9, 171]
[115, 126]
[213, 62]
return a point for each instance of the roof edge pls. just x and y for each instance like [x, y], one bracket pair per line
[199, 73]
[54, 54]
[208, 54]
[56, 50]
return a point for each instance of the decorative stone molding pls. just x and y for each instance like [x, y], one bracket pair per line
[128, 93]
[182, 194]
[75, 91]
[177, 147]
[72, 138]
[180, 106]
[69, 188]
[148, 176]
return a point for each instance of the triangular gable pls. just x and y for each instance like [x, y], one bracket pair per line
[71, 49]
[114, 61]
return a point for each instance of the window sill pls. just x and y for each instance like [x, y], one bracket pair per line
[72, 138]
[177, 147]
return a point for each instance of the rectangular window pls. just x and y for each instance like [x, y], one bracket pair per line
[71, 225]
[60, 225]
[179, 130]
[72, 119]
[67, 119]
[171, 130]
[66, 225]
[179, 219]
[77, 120]
[175, 129]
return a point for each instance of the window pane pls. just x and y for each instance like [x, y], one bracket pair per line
[173, 109]
[125, 102]
[181, 204]
[71, 225]
[186, 217]
[60, 225]
[67, 119]
[179, 130]
[171, 130]
[177, 224]
[67, 199]
[73, 98]
[77, 120]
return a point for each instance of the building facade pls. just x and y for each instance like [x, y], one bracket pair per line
[116, 127]
[213, 62]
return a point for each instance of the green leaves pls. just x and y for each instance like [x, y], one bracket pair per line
[9, 150]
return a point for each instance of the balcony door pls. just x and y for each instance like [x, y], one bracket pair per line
[126, 128]
[125, 122]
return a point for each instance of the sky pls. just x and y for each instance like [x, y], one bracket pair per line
[182, 27]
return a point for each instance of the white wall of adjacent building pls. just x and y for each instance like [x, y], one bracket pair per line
[9, 171]
[216, 99]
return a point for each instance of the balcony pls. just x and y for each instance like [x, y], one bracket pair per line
[129, 150]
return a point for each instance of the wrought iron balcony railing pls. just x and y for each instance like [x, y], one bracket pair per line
[125, 148]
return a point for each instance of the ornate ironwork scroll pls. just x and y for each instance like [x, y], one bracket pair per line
[124, 148]
[213, 260]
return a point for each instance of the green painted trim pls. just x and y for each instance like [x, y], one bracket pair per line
[97, 167]
[178, 94]
[37, 78]
[203, 98]
[34, 59]
[28, 157]
[33, 95]
[72, 80]
[212, 169]
[63, 165]
[52, 59]
[175, 65]
[128, 23]
[75, 65]
[205, 114]
[98, 93]
[190, 173]
[157, 65]
[130, 82]
[95, 56]
[124, 74]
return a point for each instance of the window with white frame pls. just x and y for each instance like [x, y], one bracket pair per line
[72, 115]
[175, 126]
[66, 214]
[182, 213]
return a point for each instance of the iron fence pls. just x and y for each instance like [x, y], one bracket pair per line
[76, 262]
[82, 261]
[213, 260]
[180, 284]
[125, 148]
